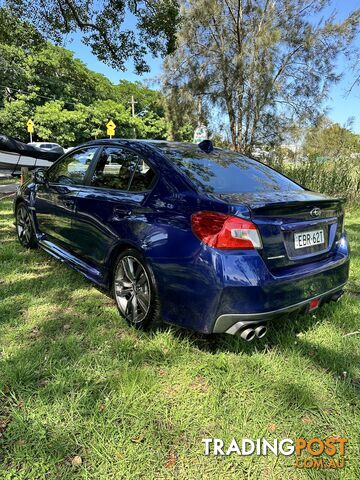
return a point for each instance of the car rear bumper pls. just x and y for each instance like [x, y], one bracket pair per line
[232, 323]
[213, 290]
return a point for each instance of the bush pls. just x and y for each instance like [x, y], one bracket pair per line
[339, 177]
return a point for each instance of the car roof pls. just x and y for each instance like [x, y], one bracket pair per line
[162, 145]
[139, 141]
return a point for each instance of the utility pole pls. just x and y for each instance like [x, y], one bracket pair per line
[200, 110]
[7, 94]
[132, 106]
[133, 111]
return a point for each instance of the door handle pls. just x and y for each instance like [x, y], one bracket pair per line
[69, 203]
[122, 212]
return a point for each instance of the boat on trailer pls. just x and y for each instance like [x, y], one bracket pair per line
[15, 154]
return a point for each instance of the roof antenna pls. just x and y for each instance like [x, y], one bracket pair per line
[206, 146]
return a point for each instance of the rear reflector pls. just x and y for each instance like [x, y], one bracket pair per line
[225, 231]
[313, 305]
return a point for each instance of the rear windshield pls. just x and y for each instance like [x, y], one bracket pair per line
[222, 171]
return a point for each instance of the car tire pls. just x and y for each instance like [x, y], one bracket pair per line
[24, 226]
[135, 291]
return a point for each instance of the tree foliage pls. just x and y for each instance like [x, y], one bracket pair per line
[330, 140]
[18, 33]
[101, 23]
[265, 64]
[55, 122]
[68, 102]
[146, 98]
[181, 113]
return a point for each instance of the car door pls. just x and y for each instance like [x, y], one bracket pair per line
[55, 199]
[119, 185]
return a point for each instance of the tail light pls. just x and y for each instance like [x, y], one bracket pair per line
[225, 231]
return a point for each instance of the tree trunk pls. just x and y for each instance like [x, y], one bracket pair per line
[232, 121]
[240, 139]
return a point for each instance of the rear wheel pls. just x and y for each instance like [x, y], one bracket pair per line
[24, 227]
[135, 291]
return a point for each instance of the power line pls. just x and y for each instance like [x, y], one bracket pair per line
[18, 90]
[41, 77]
[35, 75]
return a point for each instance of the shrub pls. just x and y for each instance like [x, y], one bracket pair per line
[339, 177]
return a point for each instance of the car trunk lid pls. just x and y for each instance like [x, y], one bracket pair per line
[289, 222]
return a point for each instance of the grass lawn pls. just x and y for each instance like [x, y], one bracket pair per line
[84, 396]
[8, 180]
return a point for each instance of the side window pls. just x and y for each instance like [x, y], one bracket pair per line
[143, 177]
[116, 168]
[72, 169]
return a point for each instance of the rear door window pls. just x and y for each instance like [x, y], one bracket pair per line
[143, 178]
[122, 169]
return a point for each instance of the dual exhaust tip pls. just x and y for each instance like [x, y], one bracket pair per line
[248, 334]
[337, 296]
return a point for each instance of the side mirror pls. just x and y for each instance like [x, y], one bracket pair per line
[40, 176]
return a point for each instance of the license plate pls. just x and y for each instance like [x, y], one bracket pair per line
[309, 239]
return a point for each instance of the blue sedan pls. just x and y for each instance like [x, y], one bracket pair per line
[192, 235]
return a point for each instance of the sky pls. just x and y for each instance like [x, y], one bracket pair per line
[341, 104]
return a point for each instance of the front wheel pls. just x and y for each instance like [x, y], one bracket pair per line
[24, 227]
[135, 291]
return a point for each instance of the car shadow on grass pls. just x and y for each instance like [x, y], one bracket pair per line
[288, 335]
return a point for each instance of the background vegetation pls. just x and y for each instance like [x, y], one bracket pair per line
[340, 177]
[328, 161]
[265, 65]
[68, 102]
[71, 104]
[115, 31]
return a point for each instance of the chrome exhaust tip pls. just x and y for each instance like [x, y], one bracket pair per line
[337, 296]
[261, 331]
[248, 334]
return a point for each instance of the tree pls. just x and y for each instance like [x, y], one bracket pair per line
[328, 139]
[265, 64]
[55, 123]
[18, 33]
[17, 40]
[146, 98]
[151, 125]
[181, 113]
[14, 115]
[101, 23]
[69, 103]
[30, 64]
[62, 77]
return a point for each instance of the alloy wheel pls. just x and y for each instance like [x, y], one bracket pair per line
[23, 225]
[132, 289]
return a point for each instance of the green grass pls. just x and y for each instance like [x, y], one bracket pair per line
[76, 380]
[9, 180]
